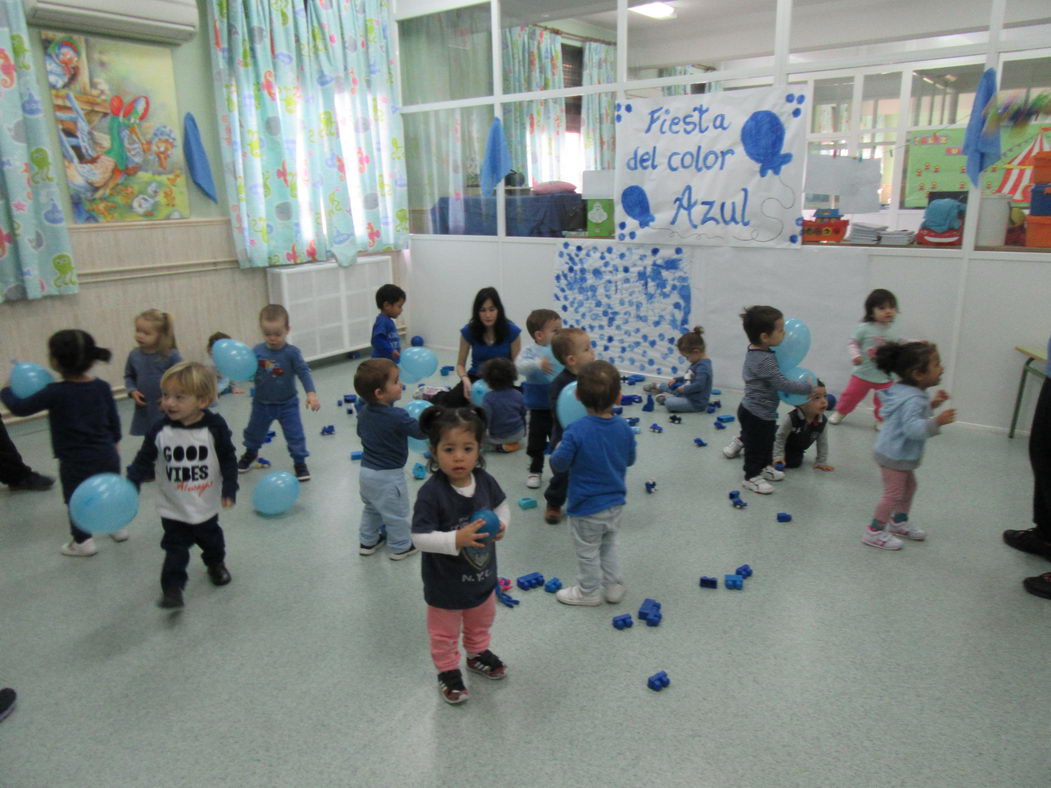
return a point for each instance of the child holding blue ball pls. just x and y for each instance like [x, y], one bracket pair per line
[689, 393]
[85, 428]
[459, 562]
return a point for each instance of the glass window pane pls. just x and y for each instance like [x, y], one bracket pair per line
[443, 154]
[880, 100]
[446, 56]
[829, 147]
[943, 96]
[881, 145]
[832, 99]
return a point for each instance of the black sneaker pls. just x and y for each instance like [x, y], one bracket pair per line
[244, 465]
[488, 664]
[302, 471]
[34, 481]
[218, 575]
[7, 701]
[450, 685]
[1039, 585]
[1028, 541]
[171, 599]
[364, 549]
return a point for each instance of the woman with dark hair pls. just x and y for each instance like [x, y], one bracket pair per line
[488, 334]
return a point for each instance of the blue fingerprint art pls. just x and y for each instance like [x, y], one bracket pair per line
[633, 301]
[763, 136]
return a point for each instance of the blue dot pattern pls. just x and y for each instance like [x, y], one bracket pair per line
[633, 301]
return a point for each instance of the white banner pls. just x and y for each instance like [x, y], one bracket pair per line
[718, 168]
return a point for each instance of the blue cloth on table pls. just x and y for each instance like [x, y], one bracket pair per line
[981, 146]
[536, 215]
[497, 161]
[197, 158]
[943, 215]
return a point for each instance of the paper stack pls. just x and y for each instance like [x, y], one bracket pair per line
[861, 233]
[897, 238]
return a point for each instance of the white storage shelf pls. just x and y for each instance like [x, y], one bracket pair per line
[330, 309]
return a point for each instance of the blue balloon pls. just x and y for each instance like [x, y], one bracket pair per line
[28, 378]
[794, 347]
[492, 522]
[636, 204]
[568, 407]
[478, 391]
[417, 363]
[235, 360]
[762, 136]
[104, 503]
[802, 375]
[275, 493]
[414, 409]
[831, 402]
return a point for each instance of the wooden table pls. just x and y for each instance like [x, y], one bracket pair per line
[1031, 355]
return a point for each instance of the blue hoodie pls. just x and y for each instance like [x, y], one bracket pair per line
[908, 420]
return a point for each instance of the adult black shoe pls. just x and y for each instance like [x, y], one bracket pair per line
[1028, 541]
[171, 599]
[1039, 585]
[218, 574]
[34, 481]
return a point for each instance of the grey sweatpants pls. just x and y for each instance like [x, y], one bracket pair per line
[595, 539]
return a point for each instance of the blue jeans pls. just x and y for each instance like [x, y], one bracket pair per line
[285, 413]
[386, 511]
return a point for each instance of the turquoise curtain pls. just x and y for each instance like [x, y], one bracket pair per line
[313, 151]
[597, 127]
[35, 256]
[532, 60]
[678, 71]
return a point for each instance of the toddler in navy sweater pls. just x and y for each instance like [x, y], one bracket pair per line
[504, 406]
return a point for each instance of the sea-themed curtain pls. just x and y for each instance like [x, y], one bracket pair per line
[313, 152]
[597, 129]
[35, 256]
[532, 60]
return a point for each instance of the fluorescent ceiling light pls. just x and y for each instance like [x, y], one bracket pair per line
[654, 10]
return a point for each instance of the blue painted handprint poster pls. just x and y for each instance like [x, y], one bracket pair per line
[723, 169]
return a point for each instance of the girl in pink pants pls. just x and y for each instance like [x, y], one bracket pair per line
[877, 327]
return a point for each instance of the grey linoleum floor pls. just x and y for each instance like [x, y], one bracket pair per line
[838, 664]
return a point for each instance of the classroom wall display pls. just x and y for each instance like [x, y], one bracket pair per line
[633, 301]
[118, 128]
[715, 169]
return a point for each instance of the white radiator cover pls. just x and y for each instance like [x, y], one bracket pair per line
[331, 309]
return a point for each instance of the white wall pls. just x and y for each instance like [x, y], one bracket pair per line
[1005, 303]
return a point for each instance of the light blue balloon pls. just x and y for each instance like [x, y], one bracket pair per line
[234, 359]
[539, 376]
[417, 363]
[28, 378]
[275, 493]
[414, 409]
[104, 503]
[568, 407]
[478, 391]
[794, 347]
[802, 375]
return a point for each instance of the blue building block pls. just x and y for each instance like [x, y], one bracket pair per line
[623, 621]
[719, 425]
[270, 436]
[831, 402]
[552, 585]
[350, 399]
[648, 407]
[532, 580]
[446, 371]
[527, 503]
[631, 380]
[784, 517]
[328, 430]
[651, 486]
[630, 399]
[356, 455]
[726, 418]
[632, 420]
[658, 681]
[656, 428]
[735, 499]
[419, 471]
[709, 582]
[416, 341]
[506, 599]
[262, 462]
[699, 443]
[744, 570]
[716, 392]
[710, 409]
[717, 403]
[618, 410]
[350, 410]
[779, 466]
[650, 612]
[733, 581]
[675, 419]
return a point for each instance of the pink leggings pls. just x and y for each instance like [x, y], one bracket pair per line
[443, 626]
[856, 391]
[898, 489]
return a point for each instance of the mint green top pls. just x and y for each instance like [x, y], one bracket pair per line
[867, 338]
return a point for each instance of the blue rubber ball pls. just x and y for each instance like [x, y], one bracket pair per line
[275, 493]
[28, 378]
[417, 341]
[104, 503]
[492, 522]
[800, 375]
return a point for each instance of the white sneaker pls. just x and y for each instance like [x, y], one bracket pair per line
[758, 484]
[533, 481]
[652, 388]
[733, 448]
[82, 550]
[771, 474]
[613, 593]
[836, 418]
[881, 539]
[120, 536]
[574, 596]
[908, 530]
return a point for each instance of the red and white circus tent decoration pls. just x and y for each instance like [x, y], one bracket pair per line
[1018, 173]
